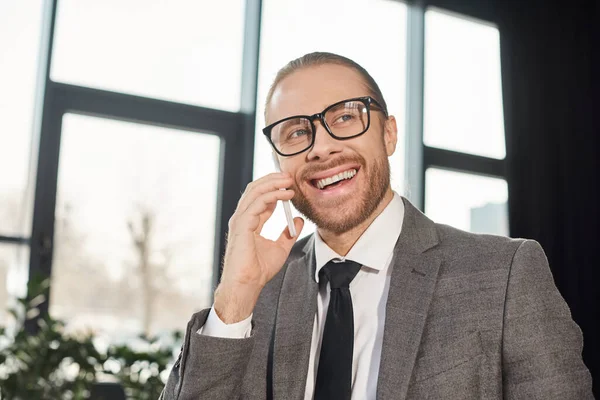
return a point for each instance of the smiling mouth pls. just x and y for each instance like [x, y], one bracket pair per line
[335, 180]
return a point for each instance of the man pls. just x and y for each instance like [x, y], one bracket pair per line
[380, 302]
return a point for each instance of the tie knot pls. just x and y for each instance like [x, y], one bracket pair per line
[339, 274]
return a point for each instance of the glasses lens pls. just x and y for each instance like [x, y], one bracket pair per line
[348, 119]
[292, 136]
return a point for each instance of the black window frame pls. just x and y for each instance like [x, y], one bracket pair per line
[420, 157]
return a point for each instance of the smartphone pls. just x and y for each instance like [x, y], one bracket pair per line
[286, 203]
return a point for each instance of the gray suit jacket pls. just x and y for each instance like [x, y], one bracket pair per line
[468, 317]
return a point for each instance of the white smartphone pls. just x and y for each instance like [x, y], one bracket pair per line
[286, 203]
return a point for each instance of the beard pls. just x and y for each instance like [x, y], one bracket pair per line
[342, 215]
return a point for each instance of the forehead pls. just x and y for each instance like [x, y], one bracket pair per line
[309, 90]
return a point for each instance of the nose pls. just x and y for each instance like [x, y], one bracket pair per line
[324, 146]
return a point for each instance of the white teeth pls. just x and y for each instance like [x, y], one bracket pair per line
[321, 183]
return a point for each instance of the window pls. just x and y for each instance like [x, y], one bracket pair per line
[154, 194]
[20, 28]
[466, 201]
[185, 51]
[463, 129]
[134, 228]
[378, 29]
[463, 88]
[14, 262]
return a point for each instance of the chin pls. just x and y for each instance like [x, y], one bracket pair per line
[344, 204]
[335, 216]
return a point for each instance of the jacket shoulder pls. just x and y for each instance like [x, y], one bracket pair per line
[466, 252]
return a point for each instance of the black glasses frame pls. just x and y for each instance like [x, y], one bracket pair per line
[368, 101]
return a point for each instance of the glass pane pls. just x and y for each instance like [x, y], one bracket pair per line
[14, 272]
[185, 51]
[20, 29]
[469, 202]
[135, 225]
[292, 29]
[463, 87]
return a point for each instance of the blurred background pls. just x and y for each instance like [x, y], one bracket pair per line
[128, 130]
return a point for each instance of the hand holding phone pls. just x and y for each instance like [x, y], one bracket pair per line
[287, 209]
[251, 260]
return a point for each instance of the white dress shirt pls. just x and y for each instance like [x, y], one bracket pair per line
[369, 290]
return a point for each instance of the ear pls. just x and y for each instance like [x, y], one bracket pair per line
[390, 135]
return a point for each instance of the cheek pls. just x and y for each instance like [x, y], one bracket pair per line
[372, 148]
[292, 167]
[288, 165]
[382, 145]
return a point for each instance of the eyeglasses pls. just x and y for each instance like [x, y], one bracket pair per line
[343, 120]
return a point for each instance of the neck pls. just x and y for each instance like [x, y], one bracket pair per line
[341, 243]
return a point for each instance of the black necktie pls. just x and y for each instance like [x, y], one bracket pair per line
[334, 376]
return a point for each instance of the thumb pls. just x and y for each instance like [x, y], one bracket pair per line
[286, 240]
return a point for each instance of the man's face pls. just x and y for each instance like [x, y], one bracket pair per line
[362, 161]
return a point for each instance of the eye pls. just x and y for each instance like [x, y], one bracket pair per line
[298, 133]
[344, 118]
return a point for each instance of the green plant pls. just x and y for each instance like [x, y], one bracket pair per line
[139, 371]
[51, 364]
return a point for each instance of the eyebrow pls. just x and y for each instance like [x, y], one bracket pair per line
[292, 121]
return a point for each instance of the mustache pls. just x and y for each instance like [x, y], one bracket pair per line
[312, 169]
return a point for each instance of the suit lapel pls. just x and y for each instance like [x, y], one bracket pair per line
[412, 284]
[294, 325]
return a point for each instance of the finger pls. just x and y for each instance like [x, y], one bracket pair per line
[251, 216]
[286, 240]
[264, 216]
[257, 188]
[261, 186]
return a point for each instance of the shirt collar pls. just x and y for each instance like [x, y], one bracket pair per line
[374, 247]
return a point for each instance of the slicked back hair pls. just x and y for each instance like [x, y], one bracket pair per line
[322, 58]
